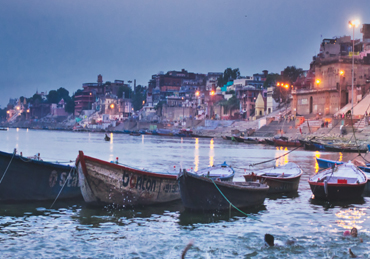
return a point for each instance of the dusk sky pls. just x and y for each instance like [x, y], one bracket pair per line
[49, 44]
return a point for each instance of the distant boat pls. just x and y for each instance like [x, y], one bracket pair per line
[135, 133]
[342, 182]
[110, 183]
[3, 129]
[222, 172]
[281, 179]
[287, 143]
[202, 193]
[24, 179]
[106, 138]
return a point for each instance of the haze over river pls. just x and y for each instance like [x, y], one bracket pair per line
[72, 230]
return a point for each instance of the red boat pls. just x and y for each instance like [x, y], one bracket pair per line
[287, 143]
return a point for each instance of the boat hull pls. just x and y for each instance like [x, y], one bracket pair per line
[337, 192]
[108, 183]
[200, 193]
[279, 185]
[36, 180]
[287, 143]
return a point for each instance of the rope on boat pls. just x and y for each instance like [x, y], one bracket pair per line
[62, 187]
[232, 205]
[274, 158]
[8, 165]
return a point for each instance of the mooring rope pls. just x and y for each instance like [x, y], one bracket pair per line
[8, 166]
[73, 168]
[233, 204]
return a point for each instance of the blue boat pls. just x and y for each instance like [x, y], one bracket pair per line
[24, 179]
[326, 163]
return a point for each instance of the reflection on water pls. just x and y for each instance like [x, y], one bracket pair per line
[340, 156]
[188, 217]
[211, 152]
[281, 159]
[352, 217]
[196, 154]
[317, 155]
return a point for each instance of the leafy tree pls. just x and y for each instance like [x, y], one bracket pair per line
[53, 97]
[35, 99]
[230, 105]
[2, 114]
[228, 74]
[63, 94]
[271, 80]
[70, 105]
[126, 90]
[138, 97]
[290, 74]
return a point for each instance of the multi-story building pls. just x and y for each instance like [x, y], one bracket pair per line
[327, 86]
[93, 91]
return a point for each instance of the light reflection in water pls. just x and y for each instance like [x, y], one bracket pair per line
[196, 154]
[111, 143]
[283, 159]
[17, 129]
[340, 156]
[349, 218]
[211, 152]
[317, 155]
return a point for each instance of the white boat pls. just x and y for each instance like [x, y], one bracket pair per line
[222, 172]
[342, 182]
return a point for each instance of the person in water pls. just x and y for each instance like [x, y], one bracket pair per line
[270, 241]
[352, 233]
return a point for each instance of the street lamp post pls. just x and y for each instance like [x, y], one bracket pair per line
[353, 24]
[341, 75]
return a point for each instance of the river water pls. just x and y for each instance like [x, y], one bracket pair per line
[70, 229]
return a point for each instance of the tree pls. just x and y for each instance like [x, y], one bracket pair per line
[53, 97]
[126, 90]
[230, 105]
[228, 74]
[290, 74]
[138, 97]
[271, 80]
[63, 94]
[36, 99]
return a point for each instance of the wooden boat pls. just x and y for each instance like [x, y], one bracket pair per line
[281, 179]
[326, 163]
[106, 138]
[184, 133]
[135, 133]
[222, 172]
[164, 132]
[345, 148]
[200, 136]
[110, 183]
[226, 137]
[202, 193]
[286, 143]
[3, 129]
[269, 142]
[24, 179]
[342, 182]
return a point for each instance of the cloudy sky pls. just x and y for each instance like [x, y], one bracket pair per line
[47, 44]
